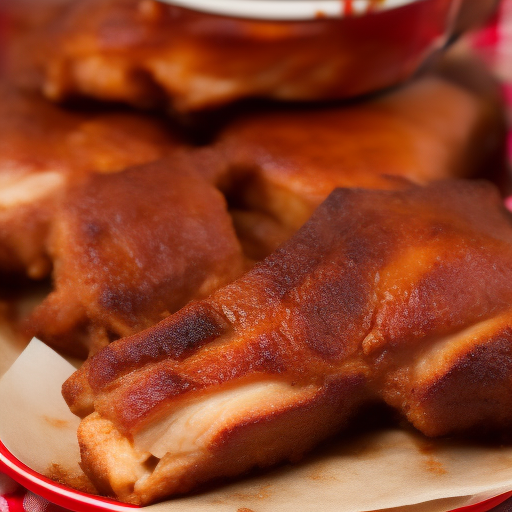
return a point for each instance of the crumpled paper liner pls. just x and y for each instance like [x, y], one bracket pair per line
[35, 423]
[386, 469]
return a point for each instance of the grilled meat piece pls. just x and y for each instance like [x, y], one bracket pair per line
[149, 54]
[127, 246]
[396, 296]
[129, 249]
[283, 162]
[43, 149]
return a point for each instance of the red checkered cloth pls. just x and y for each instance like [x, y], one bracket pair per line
[494, 43]
[14, 498]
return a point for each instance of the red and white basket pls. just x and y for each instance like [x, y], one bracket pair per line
[25, 490]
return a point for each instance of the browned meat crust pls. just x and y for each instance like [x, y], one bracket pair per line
[42, 149]
[149, 54]
[284, 162]
[401, 296]
[18, 18]
[275, 167]
[126, 250]
[129, 249]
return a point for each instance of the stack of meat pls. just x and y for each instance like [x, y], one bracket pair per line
[240, 284]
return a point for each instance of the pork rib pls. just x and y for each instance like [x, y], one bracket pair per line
[400, 296]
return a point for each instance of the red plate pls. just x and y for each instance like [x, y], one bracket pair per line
[81, 502]
[486, 505]
[54, 492]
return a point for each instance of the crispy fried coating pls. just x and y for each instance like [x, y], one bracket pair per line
[396, 296]
[275, 168]
[17, 19]
[284, 162]
[21, 16]
[42, 149]
[129, 249]
[149, 54]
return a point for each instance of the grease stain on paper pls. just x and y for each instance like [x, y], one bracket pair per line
[431, 463]
[56, 422]
[435, 466]
[263, 492]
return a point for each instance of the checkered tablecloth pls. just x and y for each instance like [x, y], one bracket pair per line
[494, 43]
[14, 498]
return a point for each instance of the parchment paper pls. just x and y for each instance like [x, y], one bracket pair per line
[372, 471]
[35, 423]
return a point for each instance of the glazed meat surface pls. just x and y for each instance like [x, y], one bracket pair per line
[19, 18]
[283, 162]
[149, 54]
[398, 296]
[44, 148]
[129, 249]
[275, 168]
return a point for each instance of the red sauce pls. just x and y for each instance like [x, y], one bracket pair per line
[373, 5]
[349, 7]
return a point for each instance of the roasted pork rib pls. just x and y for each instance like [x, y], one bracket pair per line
[283, 162]
[130, 248]
[401, 296]
[42, 149]
[150, 54]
